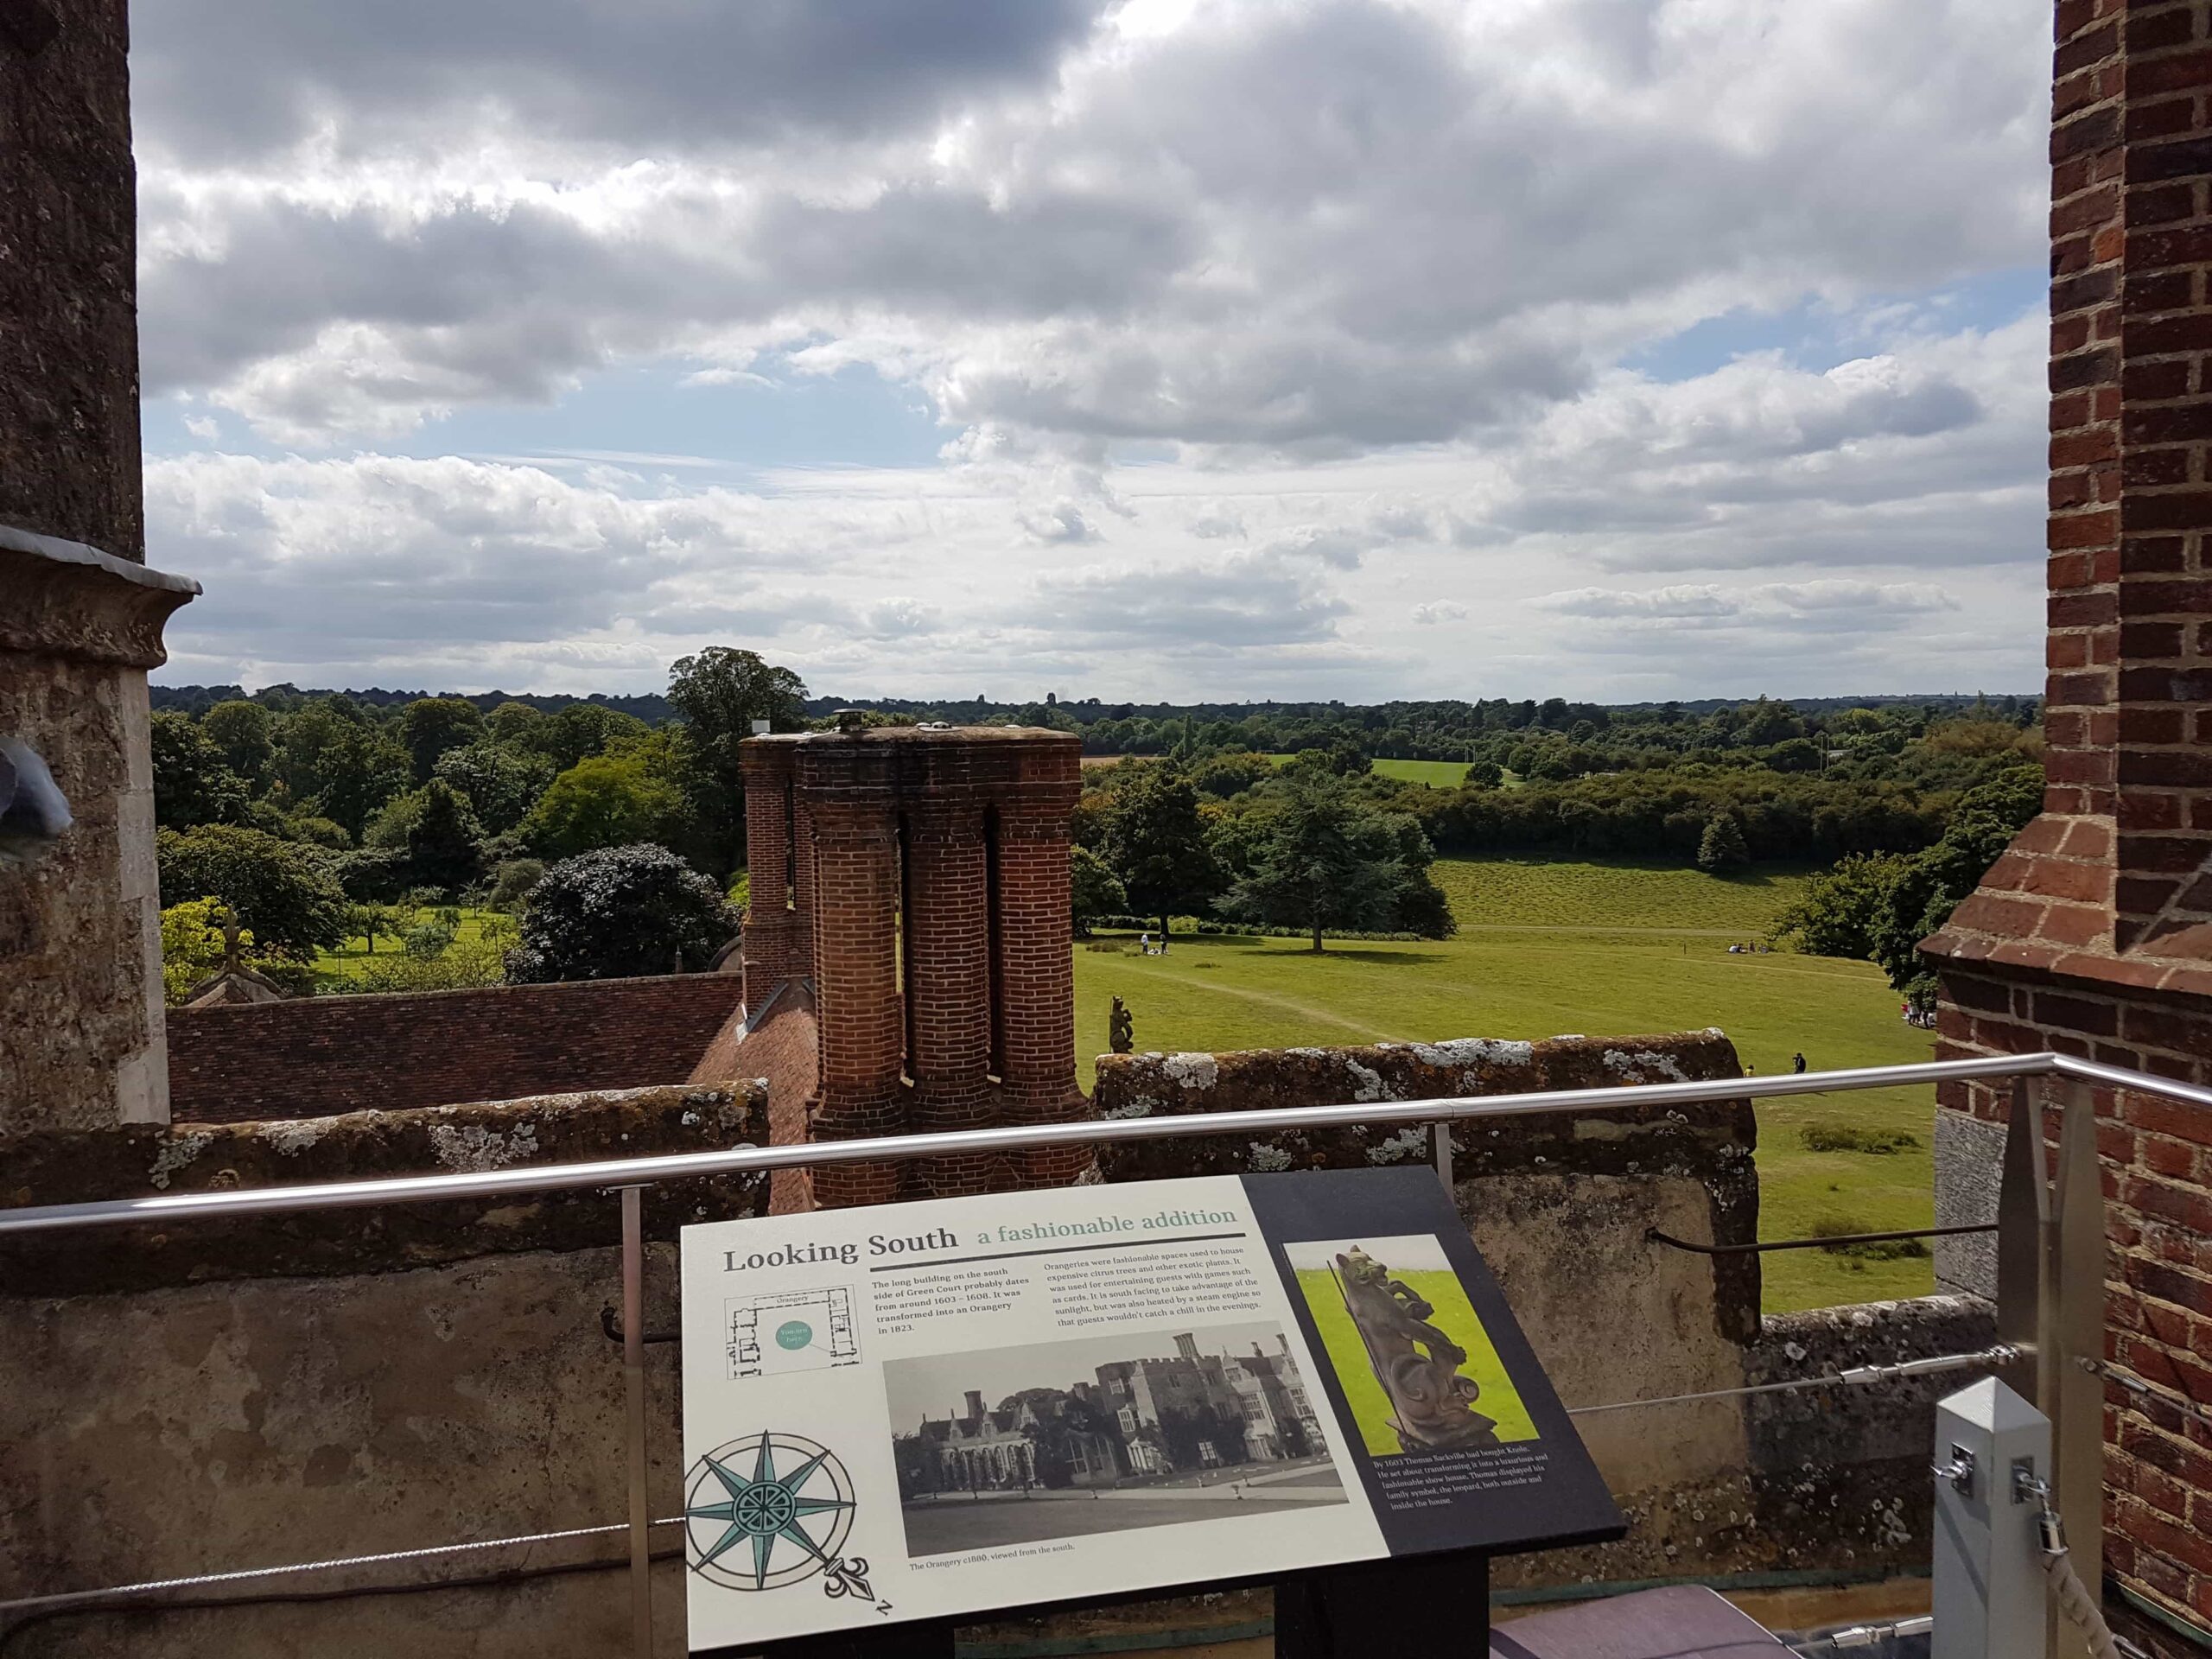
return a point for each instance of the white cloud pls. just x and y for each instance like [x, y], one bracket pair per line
[1262, 326]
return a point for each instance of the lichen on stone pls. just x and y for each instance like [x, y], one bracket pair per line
[1140, 1106]
[1266, 1158]
[475, 1148]
[177, 1151]
[1368, 1083]
[1642, 1061]
[1193, 1071]
[291, 1136]
[1409, 1142]
[1475, 1051]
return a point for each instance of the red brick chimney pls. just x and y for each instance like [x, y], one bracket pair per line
[2093, 934]
[919, 878]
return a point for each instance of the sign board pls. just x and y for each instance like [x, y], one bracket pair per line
[971, 1405]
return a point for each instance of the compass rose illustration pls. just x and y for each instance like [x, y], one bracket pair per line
[771, 1509]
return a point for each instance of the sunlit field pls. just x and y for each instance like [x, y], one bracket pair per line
[1595, 948]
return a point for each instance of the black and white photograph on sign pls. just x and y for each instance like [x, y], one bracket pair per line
[1105, 1433]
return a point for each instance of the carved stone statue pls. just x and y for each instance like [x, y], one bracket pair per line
[1416, 1363]
[1121, 1029]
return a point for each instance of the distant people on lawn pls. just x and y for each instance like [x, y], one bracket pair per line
[1797, 1064]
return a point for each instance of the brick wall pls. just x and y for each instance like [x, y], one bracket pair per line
[316, 1056]
[2093, 934]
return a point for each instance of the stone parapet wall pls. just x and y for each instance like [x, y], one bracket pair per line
[316, 1056]
[187, 1399]
[139, 1161]
[253, 1422]
[1711, 1143]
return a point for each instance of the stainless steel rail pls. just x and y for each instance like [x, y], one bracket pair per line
[172, 1207]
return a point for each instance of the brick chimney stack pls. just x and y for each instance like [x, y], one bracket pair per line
[2093, 934]
[919, 877]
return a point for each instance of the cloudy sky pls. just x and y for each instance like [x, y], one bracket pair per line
[1299, 348]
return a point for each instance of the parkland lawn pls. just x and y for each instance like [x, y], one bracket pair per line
[1603, 949]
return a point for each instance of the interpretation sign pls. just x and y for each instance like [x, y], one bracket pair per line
[968, 1405]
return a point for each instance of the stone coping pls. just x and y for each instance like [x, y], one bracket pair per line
[140, 1159]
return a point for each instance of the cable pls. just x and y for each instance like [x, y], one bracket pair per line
[1854, 1376]
[291, 1597]
[2136, 1384]
[74, 1598]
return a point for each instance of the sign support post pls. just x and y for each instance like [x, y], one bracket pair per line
[633, 1383]
[1437, 1604]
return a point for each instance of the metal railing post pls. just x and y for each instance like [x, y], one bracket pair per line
[633, 1384]
[2023, 1214]
[2072, 1334]
[1992, 1452]
[1439, 1135]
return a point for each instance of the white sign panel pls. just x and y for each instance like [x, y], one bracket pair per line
[924, 1410]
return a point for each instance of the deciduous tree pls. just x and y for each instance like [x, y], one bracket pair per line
[280, 889]
[602, 800]
[1155, 841]
[431, 726]
[620, 911]
[719, 693]
[247, 733]
[192, 783]
[1094, 889]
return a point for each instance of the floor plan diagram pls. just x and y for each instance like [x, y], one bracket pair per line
[791, 1331]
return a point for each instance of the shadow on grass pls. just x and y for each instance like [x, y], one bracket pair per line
[1753, 875]
[1404, 956]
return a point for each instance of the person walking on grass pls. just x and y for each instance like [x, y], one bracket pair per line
[1797, 1064]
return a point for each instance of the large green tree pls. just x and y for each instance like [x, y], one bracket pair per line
[1093, 889]
[247, 733]
[1327, 862]
[578, 731]
[719, 694]
[436, 835]
[620, 911]
[1154, 839]
[332, 760]
[502, 785]
[429, 727]
[604, 800]
[1881, 907]
[192, 782]
[282, 891]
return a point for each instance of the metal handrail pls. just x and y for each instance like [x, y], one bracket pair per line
[172, 1207]
[1823, 1242]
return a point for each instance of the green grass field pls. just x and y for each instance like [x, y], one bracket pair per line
[1453, 1315]
[337, 967]
[1599, 949]
[1438, 774]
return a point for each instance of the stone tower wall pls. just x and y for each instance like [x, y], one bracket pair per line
[79, 931]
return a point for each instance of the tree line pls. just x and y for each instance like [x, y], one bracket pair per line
[301, 810]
